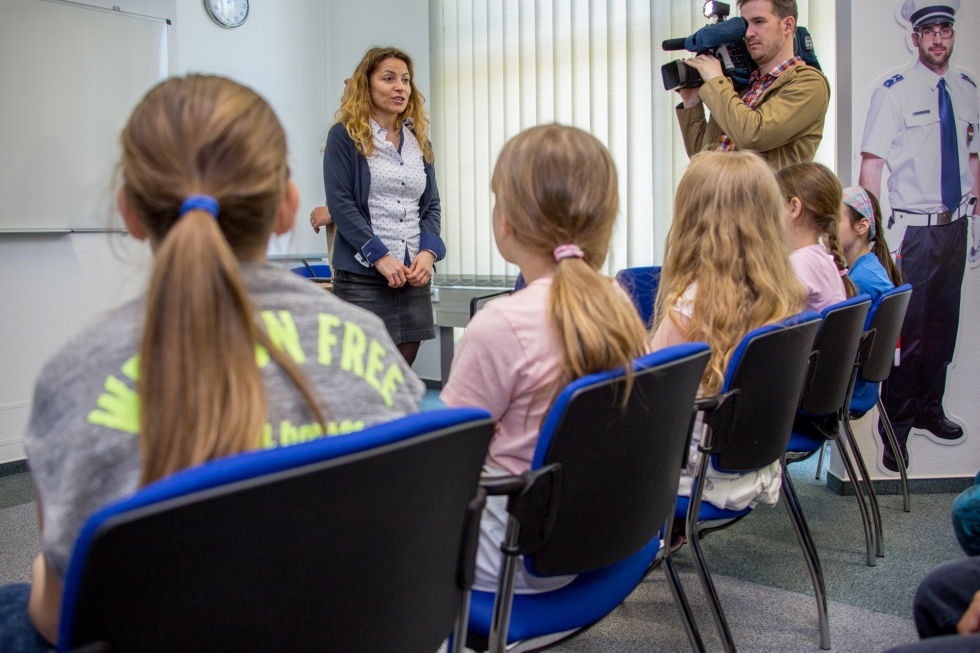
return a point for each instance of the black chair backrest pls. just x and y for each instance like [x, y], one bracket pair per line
[834, 354]
[887, 327]
[358, 553]
[620, 467]
[768, 375]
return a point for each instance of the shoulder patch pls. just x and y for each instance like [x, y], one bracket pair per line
[963, 75]
[891, 81]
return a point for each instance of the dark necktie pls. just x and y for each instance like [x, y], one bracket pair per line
[950, 176]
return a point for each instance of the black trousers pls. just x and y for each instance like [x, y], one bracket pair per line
[944, 595]
[933, 260]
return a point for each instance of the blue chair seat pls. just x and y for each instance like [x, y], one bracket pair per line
[320, 271]
[800, 443]
[587, 599]
[865, 396]
[708, 512]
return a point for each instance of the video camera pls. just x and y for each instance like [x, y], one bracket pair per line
[726, 41]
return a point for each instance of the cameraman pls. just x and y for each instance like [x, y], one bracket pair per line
[780, 115]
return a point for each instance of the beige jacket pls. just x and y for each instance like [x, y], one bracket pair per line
[785, 127]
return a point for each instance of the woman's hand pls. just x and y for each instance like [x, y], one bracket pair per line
[421, 270]
[320, 217]
[396, 273]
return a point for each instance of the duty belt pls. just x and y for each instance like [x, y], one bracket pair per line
[920, 219]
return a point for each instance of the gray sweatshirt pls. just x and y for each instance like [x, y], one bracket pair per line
[81, 440]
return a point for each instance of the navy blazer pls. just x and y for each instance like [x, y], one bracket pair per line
[347, 182]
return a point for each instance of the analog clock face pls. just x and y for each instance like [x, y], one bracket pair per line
[227, 13]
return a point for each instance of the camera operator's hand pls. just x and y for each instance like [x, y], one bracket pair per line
[690, 97]
[707, 65]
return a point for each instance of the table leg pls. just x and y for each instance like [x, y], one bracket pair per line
[446, 348]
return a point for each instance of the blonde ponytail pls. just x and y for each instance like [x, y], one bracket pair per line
[597, 327]
[200, 388]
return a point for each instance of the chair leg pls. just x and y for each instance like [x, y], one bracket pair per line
[893, 441]
[677, 590]
[503, 602]
[798, 507]
[693, 509]
[680, 600]
[869, 489]
[823, 449]
[859, 493]
[462, 625]
[809, 554]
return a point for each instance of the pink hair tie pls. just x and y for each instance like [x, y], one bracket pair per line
[844, 272]
[568, 251]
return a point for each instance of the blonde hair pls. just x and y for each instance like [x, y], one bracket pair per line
[727, 237]
[821, 196]
[879, 246]
[200, 390]
[356, 107]
[558, 185]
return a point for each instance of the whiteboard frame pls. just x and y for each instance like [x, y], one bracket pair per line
[171, 66]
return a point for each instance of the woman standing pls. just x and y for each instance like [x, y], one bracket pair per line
[381, 190]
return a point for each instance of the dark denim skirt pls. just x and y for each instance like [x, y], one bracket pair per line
[406, 311]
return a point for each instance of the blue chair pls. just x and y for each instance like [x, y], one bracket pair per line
[361, 542]
[476, 303]
[602, 483]
[884, 327]
[317, 272]
[642, 285]
[826, 391]
[747, 427]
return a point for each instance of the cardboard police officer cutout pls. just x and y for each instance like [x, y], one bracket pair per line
[919, 156]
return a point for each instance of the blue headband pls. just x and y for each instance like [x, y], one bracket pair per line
[202, 202]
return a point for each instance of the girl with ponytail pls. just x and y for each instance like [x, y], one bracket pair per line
[863, 242]
[812, 199]
[556, 204]
[226, 353]
[726, 272]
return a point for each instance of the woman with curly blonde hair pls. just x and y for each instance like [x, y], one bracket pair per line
[726, 272]
[381, 189]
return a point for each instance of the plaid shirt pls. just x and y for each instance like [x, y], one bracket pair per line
[757, 86]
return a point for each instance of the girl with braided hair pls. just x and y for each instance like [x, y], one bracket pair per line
[862, 240]
[812, 198]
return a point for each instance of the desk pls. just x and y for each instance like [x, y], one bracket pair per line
[451, 309]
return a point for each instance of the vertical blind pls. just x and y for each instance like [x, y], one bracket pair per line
[501, 66]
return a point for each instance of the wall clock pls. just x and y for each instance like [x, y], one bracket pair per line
[227, 13]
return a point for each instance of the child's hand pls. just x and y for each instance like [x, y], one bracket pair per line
[320, 217]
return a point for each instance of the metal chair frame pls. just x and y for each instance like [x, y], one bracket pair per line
[536, 498]
[725, 418]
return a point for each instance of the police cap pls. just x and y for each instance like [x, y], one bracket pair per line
[928, 12]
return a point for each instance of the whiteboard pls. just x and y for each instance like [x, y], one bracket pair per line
[70, 75]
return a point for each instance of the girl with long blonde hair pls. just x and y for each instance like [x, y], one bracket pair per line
[225, 353]
[726, 272]
[381, 192]
[556, 204]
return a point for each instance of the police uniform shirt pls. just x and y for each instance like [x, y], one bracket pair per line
[903, 128]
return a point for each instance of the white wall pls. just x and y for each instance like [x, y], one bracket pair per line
[280, 52]
[296, 54]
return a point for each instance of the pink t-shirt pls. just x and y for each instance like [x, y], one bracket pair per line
[508, 354]
[818, 273]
